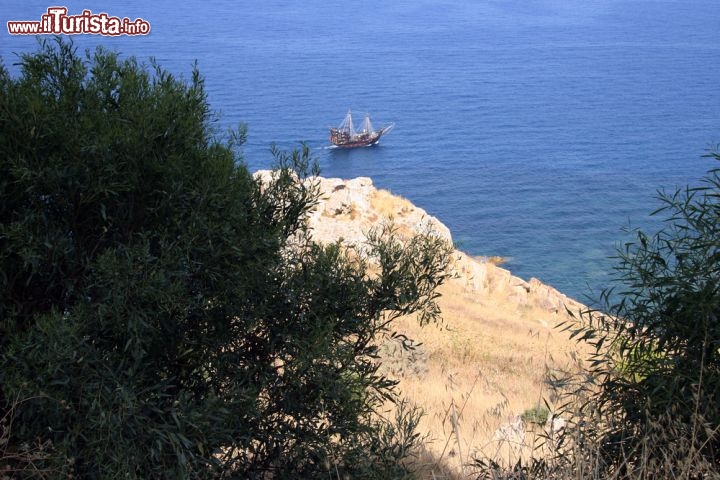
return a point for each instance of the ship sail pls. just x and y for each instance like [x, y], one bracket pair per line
[345, 135]
[347, 125]
[367, 126]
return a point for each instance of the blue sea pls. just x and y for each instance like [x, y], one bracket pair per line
[536, 130]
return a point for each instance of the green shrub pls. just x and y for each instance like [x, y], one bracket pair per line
[652, 402]
[646, 404]
[537, 415]
[162, 312]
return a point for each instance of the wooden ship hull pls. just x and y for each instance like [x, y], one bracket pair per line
[345, 136]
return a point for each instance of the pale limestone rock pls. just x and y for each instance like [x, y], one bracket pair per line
[555, 424]
[512, 431]
[348, 209]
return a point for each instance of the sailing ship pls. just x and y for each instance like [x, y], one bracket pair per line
[345, 135]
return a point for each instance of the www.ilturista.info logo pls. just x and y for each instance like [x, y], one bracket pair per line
[56, 21]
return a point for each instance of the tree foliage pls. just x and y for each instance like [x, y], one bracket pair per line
[163, 313]
[656, 363]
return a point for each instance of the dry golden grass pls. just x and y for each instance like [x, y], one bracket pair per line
[488, 363]
[485, 364]
[385, 204]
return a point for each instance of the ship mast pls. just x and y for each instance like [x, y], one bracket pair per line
[367, 126]
[347, 124]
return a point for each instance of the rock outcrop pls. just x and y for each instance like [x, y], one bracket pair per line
[348, 209]
[496, 347]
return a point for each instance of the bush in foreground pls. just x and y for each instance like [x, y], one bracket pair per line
[647, 404]
[657, 355]
[163, 313]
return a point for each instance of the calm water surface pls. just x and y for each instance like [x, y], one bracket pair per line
[534, 130]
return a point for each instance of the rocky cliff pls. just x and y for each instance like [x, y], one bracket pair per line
[497, 343]
[349, 208]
